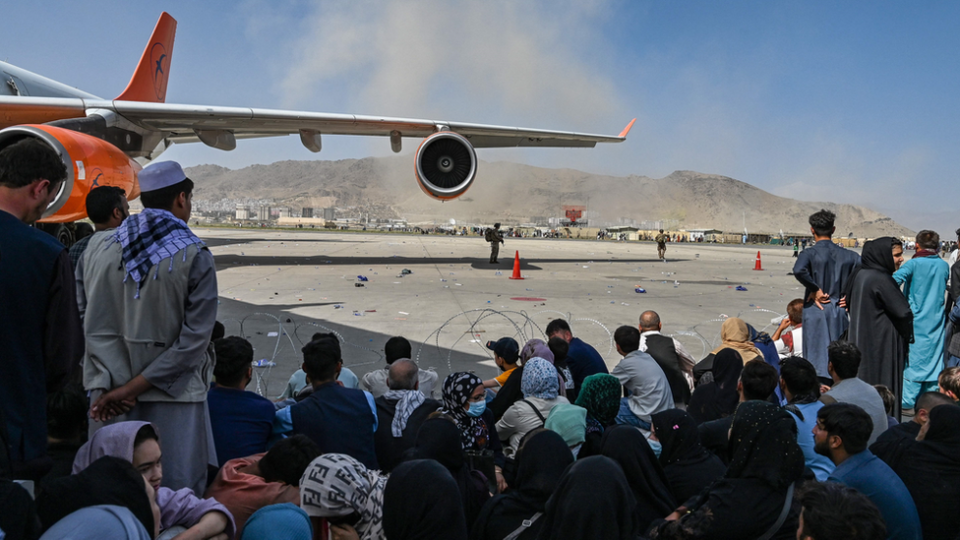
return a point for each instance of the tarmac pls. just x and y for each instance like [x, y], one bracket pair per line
[277, 288]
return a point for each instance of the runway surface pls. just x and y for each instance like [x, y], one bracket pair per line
[279, 287]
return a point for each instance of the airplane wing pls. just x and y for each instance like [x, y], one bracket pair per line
[190, 123]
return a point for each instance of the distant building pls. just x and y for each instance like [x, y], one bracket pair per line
[329, 214]
[306, 212]
[263, 213]
[242, 212]
[284, 213]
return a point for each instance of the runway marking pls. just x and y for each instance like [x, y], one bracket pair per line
[528, 299]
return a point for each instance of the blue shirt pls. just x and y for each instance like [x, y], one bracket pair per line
[820, 465]
[283, 422]
[869, 475]
[583, 361]
[241, 422]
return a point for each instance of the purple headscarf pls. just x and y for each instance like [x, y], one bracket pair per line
[115, 440]
[181, 507]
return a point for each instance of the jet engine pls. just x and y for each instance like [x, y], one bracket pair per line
[91, 163]
[446, 165]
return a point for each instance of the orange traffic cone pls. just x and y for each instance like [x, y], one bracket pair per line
[516, 267]
[757, 266]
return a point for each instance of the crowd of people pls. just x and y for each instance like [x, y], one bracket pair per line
[125, 412]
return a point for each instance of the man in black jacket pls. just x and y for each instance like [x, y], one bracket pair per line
[400, 411]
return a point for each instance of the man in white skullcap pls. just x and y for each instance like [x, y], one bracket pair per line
[147, 292]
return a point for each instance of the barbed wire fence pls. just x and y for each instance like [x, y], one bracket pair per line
[460, 334]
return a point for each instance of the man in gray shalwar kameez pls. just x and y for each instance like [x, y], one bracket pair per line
[823, 270]
[148, 295]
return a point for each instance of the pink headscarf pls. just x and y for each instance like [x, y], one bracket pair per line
[115, 440]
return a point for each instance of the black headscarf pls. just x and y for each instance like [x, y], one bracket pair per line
[542, 460]
[439, 440]
[678, 436]
[689, 467]
[877, 255]
[931, 471]
[422, 502]
[108, 480]
[627, 446]
[763, 445]
[719, 398]
[592, 500]
[18, 512]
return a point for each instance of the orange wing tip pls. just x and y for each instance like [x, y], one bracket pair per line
[623, 134]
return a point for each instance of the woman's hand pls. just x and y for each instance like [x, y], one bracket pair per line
[343, 532]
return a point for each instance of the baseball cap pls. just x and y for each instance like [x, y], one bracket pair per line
[505, 348]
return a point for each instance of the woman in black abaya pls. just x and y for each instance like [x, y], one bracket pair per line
[930, 468]
[719, 398]
[689, 467]
[881, 323]
[422, 502]
[748, 501]
[627, 446]
[592, 500]
[542, 459]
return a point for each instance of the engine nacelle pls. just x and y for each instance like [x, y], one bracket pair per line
[91, 163]
[446, 165]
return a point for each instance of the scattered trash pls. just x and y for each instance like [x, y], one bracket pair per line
[358, 284]
[369, 311]
[406, 271]
[403, 312]
[273, 334]
[499, 273]
[362, 278]
[640, 290]
[741, 288]
[264, 363]
[337, 306]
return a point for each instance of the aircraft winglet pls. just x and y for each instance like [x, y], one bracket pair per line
[623, 134]
[149, 81]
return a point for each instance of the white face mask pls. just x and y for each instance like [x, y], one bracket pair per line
[576, 450]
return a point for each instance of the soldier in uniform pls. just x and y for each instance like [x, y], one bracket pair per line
[661, 244]
[495, 238]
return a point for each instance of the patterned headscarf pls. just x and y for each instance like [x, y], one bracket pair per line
[539, 379]
[150, 237]
[600, 396]
[338, 485]
[457, 387]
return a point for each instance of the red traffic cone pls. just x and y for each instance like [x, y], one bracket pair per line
[757, 266]
[516, 267]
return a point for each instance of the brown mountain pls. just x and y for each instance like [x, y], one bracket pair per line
[516, 193]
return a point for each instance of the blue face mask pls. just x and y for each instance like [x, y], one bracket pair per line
[655, 446]
[477, 408]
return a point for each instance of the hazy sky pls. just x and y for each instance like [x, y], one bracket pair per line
[851, 102]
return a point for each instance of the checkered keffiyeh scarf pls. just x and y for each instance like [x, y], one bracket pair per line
[407, 402]
[150, 237]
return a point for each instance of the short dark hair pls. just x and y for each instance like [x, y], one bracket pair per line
[627, 338]
[234, 357]
[162, 199]
[649, 319]
[896, 242]
[845, 357]
[287, 460]
[849, 422]
[822, 222]
[67, 412]
[928, 400]
[758, 379]
[949, 379]
[145, 433]
[28, 160]
[320, 358]
[557, 325]
[928, 239]
[218, 331]
[799, 376]
[102, 201]
[397, 347]
[560, 348]
[402, 375]
[889, 400]
[833, 511]
[795, 310]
